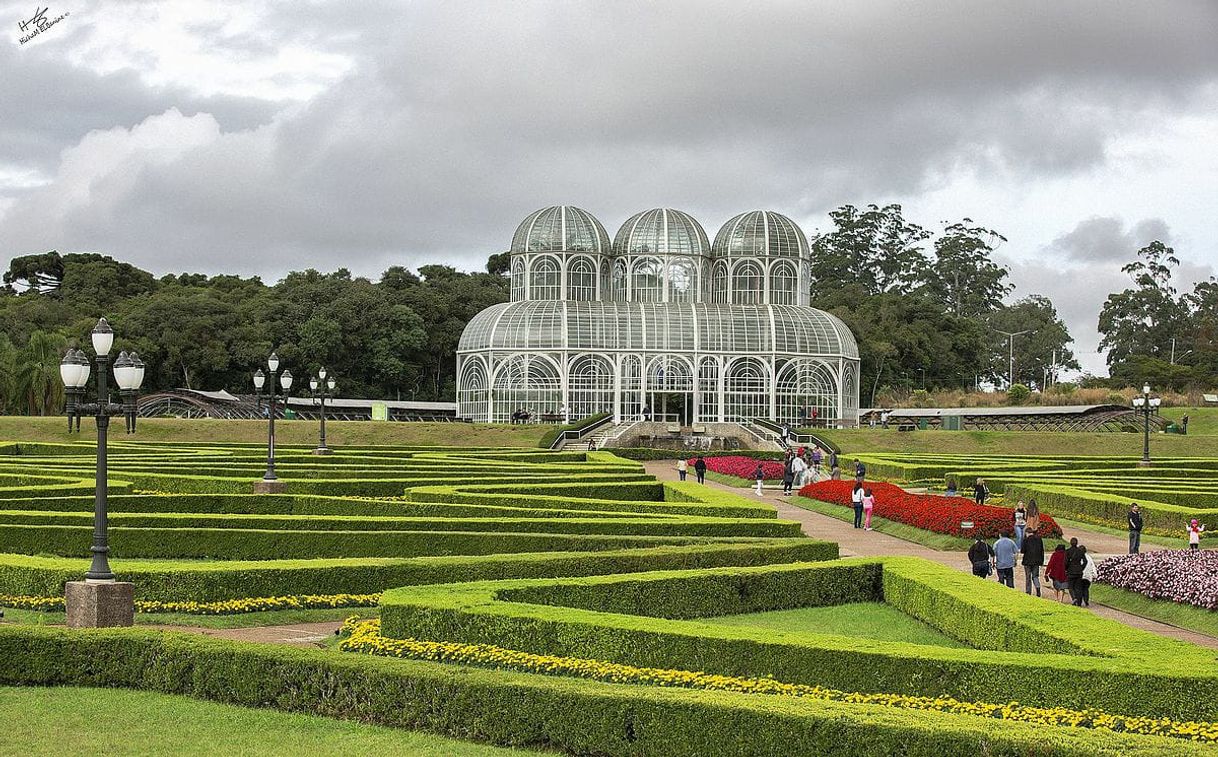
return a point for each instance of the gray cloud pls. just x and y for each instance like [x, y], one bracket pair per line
[1105, 238]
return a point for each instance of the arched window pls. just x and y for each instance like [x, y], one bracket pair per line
[646, 280]
[518, 285]
[619, 281]
[527, 382]
[632, 387]
[719, 286]
[472, 390]
[782, 283]
[747, 283]
[746, 390]
[543, 280]
[590, 385]
[682, 280]
[581, 280]
[810, 385]
[606, 282]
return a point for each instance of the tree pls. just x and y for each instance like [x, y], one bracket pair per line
[875, 249]
[9, 396]
[38, 373]
[964, 276]
[1143, 319]
[1034, 352]
[39, 274]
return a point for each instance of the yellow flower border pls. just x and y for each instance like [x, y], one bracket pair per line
[221, 607]
[363, 636]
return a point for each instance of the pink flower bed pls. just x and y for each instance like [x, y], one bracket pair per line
[742, 467]
[1189, 578]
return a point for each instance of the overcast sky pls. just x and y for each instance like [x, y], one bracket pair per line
[262, 137]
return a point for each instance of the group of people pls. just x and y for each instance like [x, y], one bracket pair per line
[801, 466]
[1069, 570]
[699, 468]
[521, 415]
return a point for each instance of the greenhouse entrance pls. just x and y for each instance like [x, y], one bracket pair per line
[673, 407]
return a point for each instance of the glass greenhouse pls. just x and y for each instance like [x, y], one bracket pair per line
[658, 321]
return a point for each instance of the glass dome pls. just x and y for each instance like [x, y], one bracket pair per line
[762, 233]
[559, 228]
[661, 231]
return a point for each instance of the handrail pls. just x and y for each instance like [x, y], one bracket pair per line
[579, 431]
[798, 437]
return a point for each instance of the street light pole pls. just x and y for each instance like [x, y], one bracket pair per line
[1145, 403]
[270, 483]
[322, 387]
[99, 600]
[1010, 335]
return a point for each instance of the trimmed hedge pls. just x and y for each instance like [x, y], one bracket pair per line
[178, 580]
[526, 710]
[1055, 655]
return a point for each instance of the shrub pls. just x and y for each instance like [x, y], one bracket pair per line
[1018, 394]
[939, 514]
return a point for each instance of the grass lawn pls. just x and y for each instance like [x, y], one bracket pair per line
[338, 433]
[869, 620]
[79, 721]
[1201, 420]
[1185, 616]
[1022, 442]
[244, 620]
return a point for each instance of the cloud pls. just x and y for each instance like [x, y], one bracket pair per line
[1105, 238]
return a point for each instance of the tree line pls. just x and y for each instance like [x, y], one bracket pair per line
[928, 309]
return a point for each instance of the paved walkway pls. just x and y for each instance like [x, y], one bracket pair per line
[299, 634]
[855, 542]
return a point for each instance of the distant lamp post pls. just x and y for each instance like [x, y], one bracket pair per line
[322, 388]
[99, 600]
[1146, 404]
[270, 484]
[1010, 335]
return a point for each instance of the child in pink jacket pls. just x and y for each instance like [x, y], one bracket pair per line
[868, 506]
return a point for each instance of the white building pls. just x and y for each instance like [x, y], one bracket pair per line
[659, 319]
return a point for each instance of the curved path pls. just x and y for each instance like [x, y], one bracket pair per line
[855, 542]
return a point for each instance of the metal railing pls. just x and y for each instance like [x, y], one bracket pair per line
[804, 439]
[578, 432]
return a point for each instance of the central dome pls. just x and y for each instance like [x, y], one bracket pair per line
[661, 231]
[561, 228]
[761, 233]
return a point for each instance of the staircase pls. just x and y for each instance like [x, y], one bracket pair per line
[601, 438]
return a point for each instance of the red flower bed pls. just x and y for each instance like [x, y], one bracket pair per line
[929, 511]
[742, 467]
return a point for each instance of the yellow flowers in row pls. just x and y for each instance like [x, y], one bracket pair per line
[364, 636]
[222, 607]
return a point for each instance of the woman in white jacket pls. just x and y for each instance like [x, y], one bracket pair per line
[1090, 573]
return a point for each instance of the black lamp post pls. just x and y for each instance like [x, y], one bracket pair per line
[87, 603]
[285, 381]
[322, 388]
[1146, 403]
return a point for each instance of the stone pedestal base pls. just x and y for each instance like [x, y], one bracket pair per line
[1143, 463]
[99, 604]
[270, 487]
[323, 451]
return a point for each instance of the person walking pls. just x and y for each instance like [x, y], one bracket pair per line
[1033, 559]
[817, 457]
[868, 506]
[759, 474]
[682, 467]
[788, 474]
[1076, 562]
[856, 499]
[1090, 573]
[1033, 516]
[1055, 573]
[1194, 535]
[860, 471]
[801, 471]
[1135, 528]
[700, 469]
[1004, 559]
[1021, 523]
[981, 556]
[980, 492]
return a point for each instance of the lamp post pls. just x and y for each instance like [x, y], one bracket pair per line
[99, 600]
[1010, 335]
[322, 388]
[1145, 404]
[270, 484]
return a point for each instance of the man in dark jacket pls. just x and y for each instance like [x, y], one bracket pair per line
[1076, 562]
[1135, 528]
[1033, 561]
[700, 469]
[980, 555]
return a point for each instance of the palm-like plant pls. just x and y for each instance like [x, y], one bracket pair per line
[37, 376]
